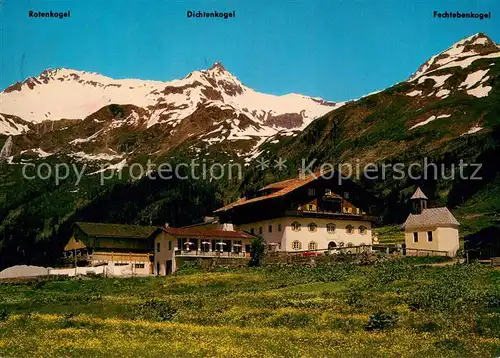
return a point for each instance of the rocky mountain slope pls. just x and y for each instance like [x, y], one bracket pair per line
[106, 117]
[448, 111]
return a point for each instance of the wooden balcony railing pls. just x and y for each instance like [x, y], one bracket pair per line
[195, 253]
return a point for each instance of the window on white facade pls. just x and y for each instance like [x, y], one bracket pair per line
[296, 226]
[312, 227]
[311, 192]
[429, 236]
[169, 245]
[330, 228]
[296, 245]
[270, 228]
[313, 246]
[415, 237]
[362, 229]
[158, 247]
[279, 227]
[252, 231]
[139, 266]
[260, 230]
[349, 229]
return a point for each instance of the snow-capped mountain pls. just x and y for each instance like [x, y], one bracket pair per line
[461, 54]
[446, 70]
[71, 94]
[206, 108]
[211, 113]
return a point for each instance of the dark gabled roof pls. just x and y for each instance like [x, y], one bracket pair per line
[116, 230]
[282, 188]
[431, 218]
[215, 233]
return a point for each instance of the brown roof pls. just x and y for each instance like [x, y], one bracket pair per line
[74, 245]
[431, 218]
[196, 232]
[116, 230]
[419, 194]
[285, 187]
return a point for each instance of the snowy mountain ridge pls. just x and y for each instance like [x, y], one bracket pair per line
[212, 113]
[71, 94]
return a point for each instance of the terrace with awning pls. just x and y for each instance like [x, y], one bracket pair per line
[210, 242]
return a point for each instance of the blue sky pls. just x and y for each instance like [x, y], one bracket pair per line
[337, 50]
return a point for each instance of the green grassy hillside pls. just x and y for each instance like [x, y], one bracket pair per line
[335, 311]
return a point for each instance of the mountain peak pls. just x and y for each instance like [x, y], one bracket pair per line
[217, 67]
[478, 44]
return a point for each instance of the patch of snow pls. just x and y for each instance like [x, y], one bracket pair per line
[473, 78]
[213, 140]
[88, 139]
[118, 166]
[414, 93]
[467, 61]
[481, 41]
[41, 153]
[219, 129]
[472, 130]
[439, 80]
[430, 119]
[479, 91]
[96, 157]
[443, 93]
[256, 151]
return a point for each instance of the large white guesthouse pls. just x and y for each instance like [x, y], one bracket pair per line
[309, 212]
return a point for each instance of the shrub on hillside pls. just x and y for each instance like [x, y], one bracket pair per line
[381, 320]
[156, 310]
[487, 326]
[3, 315]
[257, 250]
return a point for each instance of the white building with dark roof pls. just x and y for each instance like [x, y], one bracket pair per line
[433, 229]
[306, 213]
